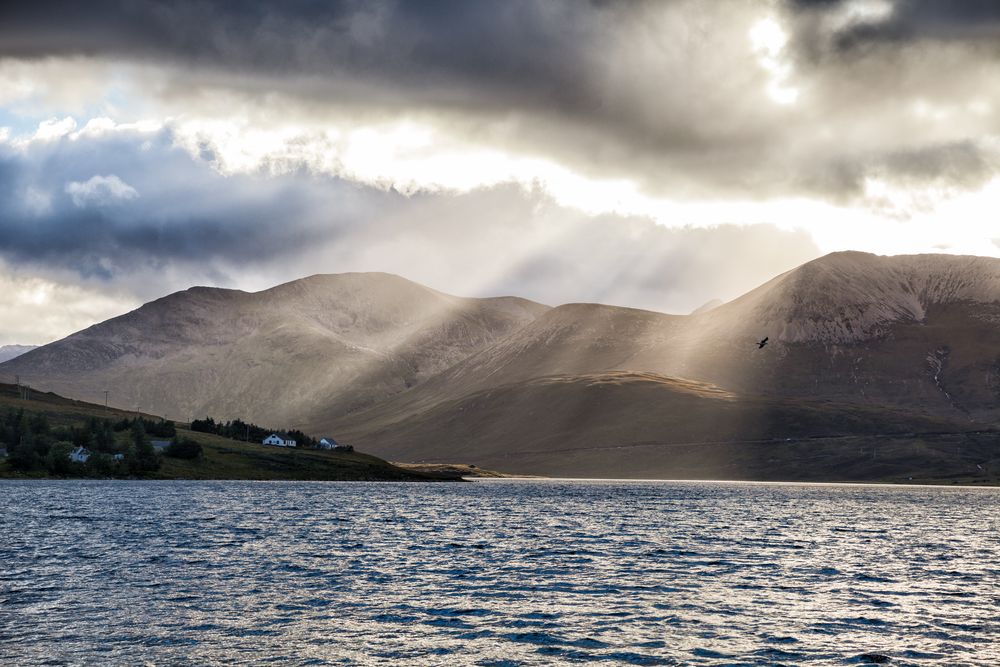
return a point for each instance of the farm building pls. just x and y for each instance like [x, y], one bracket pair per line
[278, 440]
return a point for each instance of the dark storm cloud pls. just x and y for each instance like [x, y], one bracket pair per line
[601, 84]
[973, 22]
[518, 51]
[668, 94]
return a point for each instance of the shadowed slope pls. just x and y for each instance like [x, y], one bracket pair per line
[621, 424]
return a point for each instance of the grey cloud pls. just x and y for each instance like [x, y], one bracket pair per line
[970, 21]
[507, 241]
[192, 225]
[187, 214]
[963, 164]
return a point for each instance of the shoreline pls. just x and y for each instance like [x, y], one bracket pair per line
[519, 478]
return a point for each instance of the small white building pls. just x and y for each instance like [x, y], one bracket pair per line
[79, 455]
[330, 443]
[118, 457]
[278, 440]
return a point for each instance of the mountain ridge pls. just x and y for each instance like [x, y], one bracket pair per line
[317, 328]
[361, 353]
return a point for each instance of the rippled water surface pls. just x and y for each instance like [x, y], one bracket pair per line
[497, 573]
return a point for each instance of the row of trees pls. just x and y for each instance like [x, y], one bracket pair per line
[159, 428]
[33, 445]
[240, 430]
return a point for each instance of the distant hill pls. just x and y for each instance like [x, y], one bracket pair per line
[329, 344]
[8, 352]
[858, 346]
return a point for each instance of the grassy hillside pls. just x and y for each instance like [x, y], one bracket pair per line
[222, 458]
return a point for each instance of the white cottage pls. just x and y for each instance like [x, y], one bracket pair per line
[330, 443]
[277, 440]
[79, 455]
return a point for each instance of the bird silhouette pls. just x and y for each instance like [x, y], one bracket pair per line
[762, 343]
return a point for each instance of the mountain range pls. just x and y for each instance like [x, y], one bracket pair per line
[861, 349]
[8, 352]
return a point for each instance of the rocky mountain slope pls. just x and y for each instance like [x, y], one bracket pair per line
[918, 332]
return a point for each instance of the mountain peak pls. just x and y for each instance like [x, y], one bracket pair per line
[850, 296]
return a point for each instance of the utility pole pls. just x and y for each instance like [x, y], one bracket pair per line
[105, 401]
[22, 392]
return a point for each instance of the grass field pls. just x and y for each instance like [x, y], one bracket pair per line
[223, 458]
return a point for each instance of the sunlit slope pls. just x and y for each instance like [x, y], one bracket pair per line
[918, 333]
[327, 345]
[622, 424]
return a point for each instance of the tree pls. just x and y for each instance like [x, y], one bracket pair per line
[82, 437]
[206, 425]
[58, 461]
[22, 456]
[142, 456]
[184, 449]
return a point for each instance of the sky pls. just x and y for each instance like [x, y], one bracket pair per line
[649, 154]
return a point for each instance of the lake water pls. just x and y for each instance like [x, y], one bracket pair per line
[496, 573]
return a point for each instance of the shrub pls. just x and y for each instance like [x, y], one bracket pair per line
[183, 449]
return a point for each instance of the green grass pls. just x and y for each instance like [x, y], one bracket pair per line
[230, 459]
[221, 458]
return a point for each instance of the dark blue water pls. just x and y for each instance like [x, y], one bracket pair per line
[499, 572]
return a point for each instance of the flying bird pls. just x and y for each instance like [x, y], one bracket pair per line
[762, 343]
